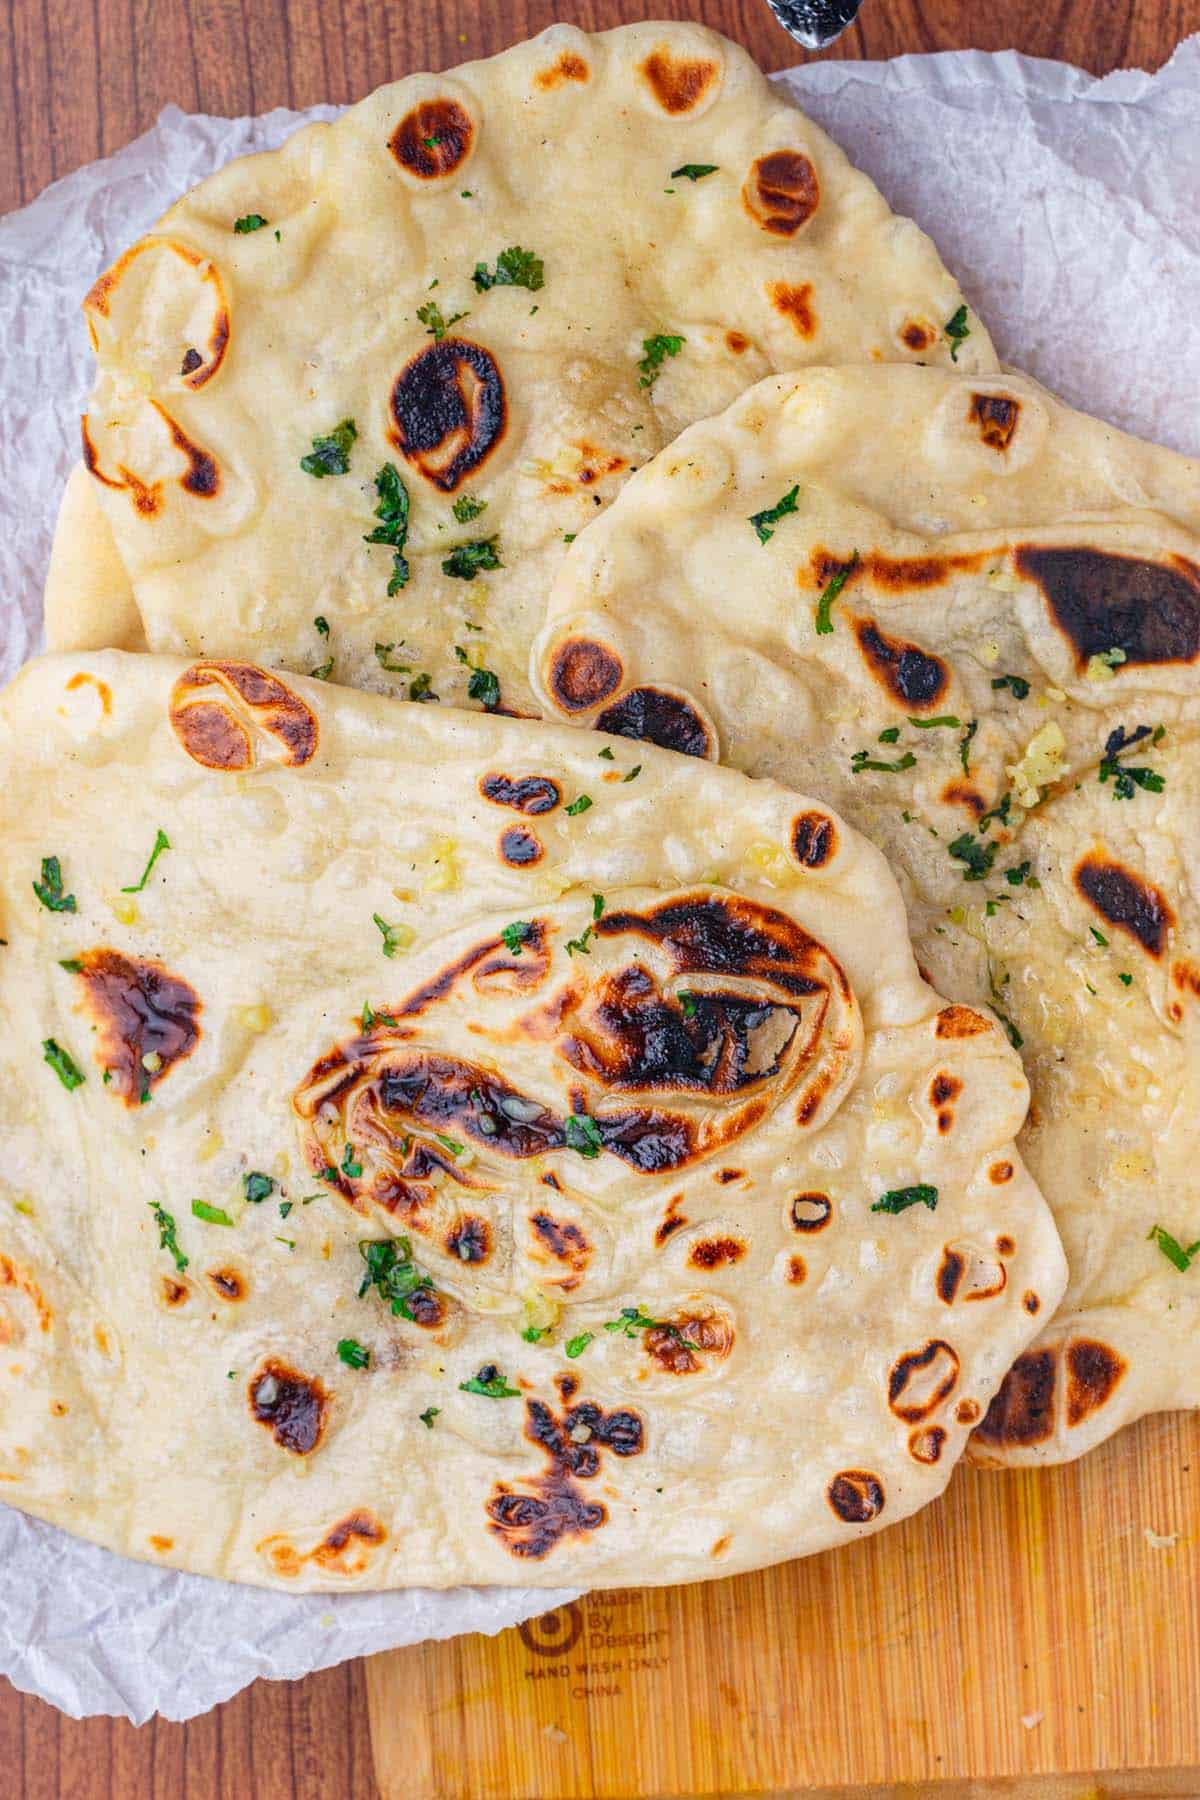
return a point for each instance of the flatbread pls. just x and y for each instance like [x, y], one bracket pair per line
[223, 354]
[672, 1109]
[1033, 576]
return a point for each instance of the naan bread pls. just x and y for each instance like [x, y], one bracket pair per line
[1021, 583]
[671, 199]
[647, 1064]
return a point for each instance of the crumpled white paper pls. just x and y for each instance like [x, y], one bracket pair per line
[1070, 209]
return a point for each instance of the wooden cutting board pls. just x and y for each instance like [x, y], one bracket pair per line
[1026, 1626]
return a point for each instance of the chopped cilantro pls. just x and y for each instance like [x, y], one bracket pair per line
[597, 906]
[382, 652]
[898, 1200]
[694, 171]
[514, 268]
[49, 889]
[491, 1384]
[687, 1002]
[395, 937]
[1124, 777]
[964, 744]
[331, 455]
[516, 934]
[466, 560]
[353, 1354]
[435, 325]
[161, 842]
[1099, 937]
[323, 671]
[862, 760]
[579, 805]
[1016, 683]
[823, 621]
[633, 773]
[577, 1345]
[428, 1416]
[212, 1215]
[533, 1334]
[956, 329]
[583, 1134]
[249, 222]
[631, 1319]
[322, 624]
[466, 508]
[656, 349]
[450, 1144]
[285, 1207]
[935, 724]
[1018, 874]
[349, 1166]
[999, 811]
[166, 1235]
[421, 687]
[977, 856]
[257, 1187]
[484, 686]
[605, 755]
[64, 1066]
[889, 735]
[370, 1018]
[392, 530]
[391, 1272]
[765, 521]
[1172, 1249]
[1124, 979]
[71, 964]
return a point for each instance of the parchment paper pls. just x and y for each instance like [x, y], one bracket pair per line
[1070, 209]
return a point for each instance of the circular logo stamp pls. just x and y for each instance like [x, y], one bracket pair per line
[553, 1633]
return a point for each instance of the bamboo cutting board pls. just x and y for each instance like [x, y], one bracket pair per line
[1024, 1627]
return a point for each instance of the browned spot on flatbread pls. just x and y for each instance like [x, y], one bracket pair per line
[103, 691]
[529, 794]
[1030, 1301]
[1006, 1245]
[1022, 1410]
[921, 1380]
[811, 1212]
[995, 417]
[914, 678]
[568, 67]
[725, 1176]
[519, 847]
[1000, 1172]
[433, 139]
[657, 716]
[346, 1548]
[781, 193]
[856, 1496]
[950, 1274]
[794, 302]
[679, 83]
[583, 673]
[1093, 1371]
[292, 1405]
[146, 1019]
[737, 342]
[146, 498]
[1101, 601]
[564, 1240]
[944, 1089]
[960, 1022]
[1126, 900]
[961, 793]
[173, 1291]
[227, 1284]
[895, 573]
[967, 1411]
[677, 1345]
[214, 703]
[713, 1253]
[202, 477]
[13, 1275]
[797, 1270]
[917, 335]
[449, 411]
[469, 1239]
[925, 1444]
[530, 1520]
[672, 1221]
[814, 839]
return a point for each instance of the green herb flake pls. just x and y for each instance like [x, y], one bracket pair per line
[862, 761]
[633, 773]
[161, 842]
[945, 719]
[516, 934]
[577, 1345]
[764, 522]
[579, 805]
[71, 964]
[382, 653]
[64, 1066]
[1124, 979]
[391, 1271]
[956, 329]
[898, 1200]
[322, 624]
[1124, 777]
[285, 1207]
[331, 455]
[353, 1354]
[394, 936]
[533, 1334]
[428, 1416]
[392, 512]
[1172, 1249]
[583, 1135]
[249, 222]
[688, 1003]
[889, 735]
[514, 268]
[1099, 937]
[977, 856]
[166, 1235]
[467, 507]
[822, 616]
[491, 1384]
[466, 561]
[655, 351]
[450, 1144]
[257, 1187]
[435, 325]
[694, 171]
[605, 755]
[1018, 874]
[421, 687]
[1017, 685]
[211, 1215]
[484, 686]
[49, 889]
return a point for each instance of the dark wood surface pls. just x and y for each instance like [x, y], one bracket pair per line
[79, 78]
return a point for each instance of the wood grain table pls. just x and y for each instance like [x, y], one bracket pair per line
[78, 79]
